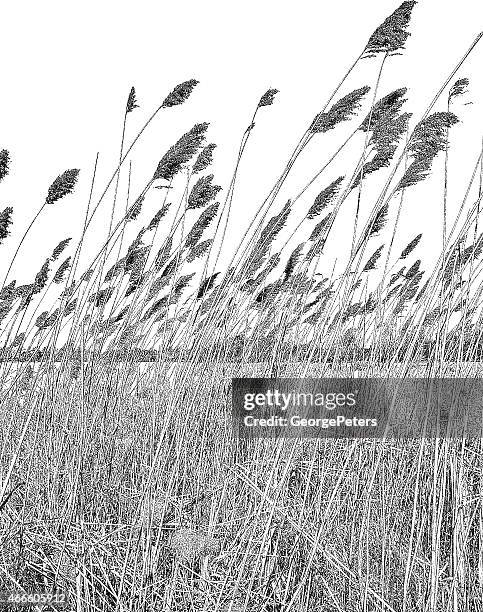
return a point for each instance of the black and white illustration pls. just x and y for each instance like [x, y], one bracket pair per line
[232, 237]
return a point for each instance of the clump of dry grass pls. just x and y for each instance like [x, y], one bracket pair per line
[189, 545]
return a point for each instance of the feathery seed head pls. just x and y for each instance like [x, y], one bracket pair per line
[392, 34]
[413, 270]
[202, 192]
[199, 250]
[115, 270]
[204, 159]
[292, 261]
[386, 133]
[458, 88]
[268, 234]
[180, 93]
[4, 163]
[324, 198]
[379, 221]
[268, 98]
[41, 319]
[41, 277]
[60, 248]
[427, 140]
[62, 186]
[61, 270]
[8, 292]
[387, 106]
[340, 111]
[318, 229]
[5, 222]
[182, 283]
[371, 262]
[411, 246]
[71, 306]
[153, 224]
[100, 298]
[207, 285]
[18, 340]
[201, 224]
[163, 254]
[268, 293]
[181, 152]
[135, 210]
[131, 101]
[5, 308]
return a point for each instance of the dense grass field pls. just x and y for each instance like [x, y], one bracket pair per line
[122, 484]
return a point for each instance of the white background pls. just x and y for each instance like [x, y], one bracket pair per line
[67, 69]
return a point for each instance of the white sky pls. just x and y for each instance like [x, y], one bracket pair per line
[67, 69]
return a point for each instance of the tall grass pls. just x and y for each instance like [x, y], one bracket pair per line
[121, 481]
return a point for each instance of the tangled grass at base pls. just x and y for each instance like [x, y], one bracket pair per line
[120, 480]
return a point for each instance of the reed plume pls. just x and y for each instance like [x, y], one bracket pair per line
[268, 234]
[180, 93]
[41, 277]
[202, 192]
[379, 220]
[341, 111]
[324, 198]
[204, 159]
[135, 210]
[5, 222]
[9, 291]
[410, 247]
[61, 271]
[459, 88]
[59, 249]
[153, 224]
[131, 101]
[199, 250]
[268, 98]
[63, 185]
[387, 127]
[292, 261]
[201, 224]
[371, 262]
[163, 254]
[207, 285]
[391, 35]
[4, 163]
[428, 139]
[180, 153]
[252, 284]
[413, 270]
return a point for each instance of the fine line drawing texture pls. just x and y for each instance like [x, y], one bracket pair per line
[121, 482]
